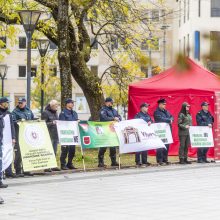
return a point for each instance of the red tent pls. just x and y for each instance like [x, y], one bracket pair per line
[193, 85]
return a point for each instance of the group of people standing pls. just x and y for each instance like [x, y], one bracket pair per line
[203, 118]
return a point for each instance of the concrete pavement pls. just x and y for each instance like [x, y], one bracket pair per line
[171, 193]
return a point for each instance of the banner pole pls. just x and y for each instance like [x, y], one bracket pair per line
[84, 167]
[119, 161]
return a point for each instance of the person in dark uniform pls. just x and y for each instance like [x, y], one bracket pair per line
[204, 118]
[108, 113]
[184, 122]
[50, 116]
[4, 103]
[162, 115]
[20, 113]
[68, 115]
[141, 157]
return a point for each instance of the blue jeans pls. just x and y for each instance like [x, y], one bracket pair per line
[54, 143]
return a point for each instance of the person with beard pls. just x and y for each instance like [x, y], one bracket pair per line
[204, 118]
[141, 157]
[4, 104]
[20, 113]
[108, 113]
[50, 116]
[184, 122]
[68, 114]
[162, 115]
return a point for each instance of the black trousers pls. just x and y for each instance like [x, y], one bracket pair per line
[102, 151]
[141, 157]
[162, 154]
[184, 145]
[202, 154]
[17, 160]
[67, 150]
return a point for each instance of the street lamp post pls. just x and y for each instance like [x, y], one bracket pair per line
[3, 73]
[164, 28]
[42, 45]
[29, 19]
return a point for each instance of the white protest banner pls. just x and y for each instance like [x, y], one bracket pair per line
[135, 135]
[201, 136]
[162, 130]
[7, 147]
[68, 132]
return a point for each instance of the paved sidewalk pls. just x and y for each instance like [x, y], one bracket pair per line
[169, 193]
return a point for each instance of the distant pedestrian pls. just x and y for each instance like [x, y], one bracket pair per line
[184, 123]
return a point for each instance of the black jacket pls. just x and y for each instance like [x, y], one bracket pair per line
[49, 116]
[204, 118]
[162, 116]
[3, 113]
[108, 114]
[68, 115]
[145, 116]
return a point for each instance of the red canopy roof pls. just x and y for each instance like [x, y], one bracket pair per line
[195, 78]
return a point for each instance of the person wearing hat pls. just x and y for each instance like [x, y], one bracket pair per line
[20, 113]
[162, 115]
[68, 114]
[50, 116]
[4, 104]
[204, 118]
[184, 122]
[108, 113]
[141, 157]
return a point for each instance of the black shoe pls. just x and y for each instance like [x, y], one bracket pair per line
[1, 200]
[2, 185]
[64, 168]
[11, 175]
[28, 174]
[56, 169]
[71, 167]
[199, 161]
[206, 161]
[187, 162]
[138, 164]
[19, 174]
[48, 170]
[161, 163]
[115, 164]
[167, 163]
[182, 161]
[102, 165]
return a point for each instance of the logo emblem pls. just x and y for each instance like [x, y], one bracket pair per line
[86, 140]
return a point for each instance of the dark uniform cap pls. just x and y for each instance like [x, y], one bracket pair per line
[21, 99]
[109, 99]
[163, 101]
[144, 104]
[69, 100]
[204, 104]
[3, 100]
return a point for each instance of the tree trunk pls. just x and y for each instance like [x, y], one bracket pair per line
[63, 50]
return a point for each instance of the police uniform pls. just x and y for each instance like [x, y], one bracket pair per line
[19, 114]
[141, 157]
[67, 115]
[108, 114]
[162, 115]
[203, 118]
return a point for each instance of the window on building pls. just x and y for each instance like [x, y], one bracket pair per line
[188, 47]
[3, 42]
[215, 8]
[94, 69]
[144, 70]
[180, 46]
[22, 42]
[214, 45]
[155, 15]
[33, 71]
[188, 9]
[179, 13]
[144, 45]
[114, 43]
[184, 11]
[197, 45]
[94, 43]
[53, 46]
[184, 46]
[199, 8]
[53, 71]
[22, 71]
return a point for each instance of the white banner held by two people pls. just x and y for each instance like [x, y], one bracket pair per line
[163, 131]
[135, 135]
[7, 147]
[68, 132]
[201, 136]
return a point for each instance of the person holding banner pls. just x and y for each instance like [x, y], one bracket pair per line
[50, 116]
[162, 115]
[108, 113]
[4, 104]
[68, 115]
[141, 157]
[184, 122]
[20, 113]
[204, 118]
